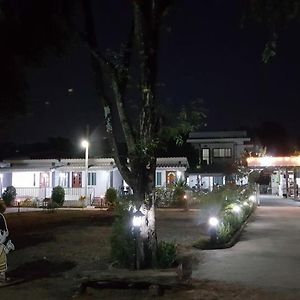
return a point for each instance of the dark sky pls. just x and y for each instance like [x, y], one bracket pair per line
[204, 54]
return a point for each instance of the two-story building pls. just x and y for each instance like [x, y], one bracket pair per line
[218, 152]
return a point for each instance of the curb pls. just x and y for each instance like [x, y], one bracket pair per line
[234, 238]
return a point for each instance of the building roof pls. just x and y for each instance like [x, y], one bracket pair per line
[172, 162]
[78, 163]
[220, 136]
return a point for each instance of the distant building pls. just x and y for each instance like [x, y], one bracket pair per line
[218, 152]
[35, 178]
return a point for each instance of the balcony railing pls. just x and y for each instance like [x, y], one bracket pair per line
[45, 192]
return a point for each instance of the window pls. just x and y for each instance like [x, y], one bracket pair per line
[158, 178]
[222, 152]
[63, 179]
[92, 178]
[205, 156]
[171, 178]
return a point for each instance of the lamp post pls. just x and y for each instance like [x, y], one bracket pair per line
[137, 223]
[85, 144]
[1, 181]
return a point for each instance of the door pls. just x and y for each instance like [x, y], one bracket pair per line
[76, 179]
[171, 178]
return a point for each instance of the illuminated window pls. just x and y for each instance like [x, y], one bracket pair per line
[92, 178]
[205, 156]
[158, 178]
[222, 152]
[171, 178]
[63, 179]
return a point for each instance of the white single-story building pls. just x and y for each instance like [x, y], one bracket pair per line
[35, 178]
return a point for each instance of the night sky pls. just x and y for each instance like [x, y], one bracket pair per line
[204, 53]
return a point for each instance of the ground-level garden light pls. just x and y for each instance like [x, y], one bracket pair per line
[137, 221]
[213, 223]
[236, 209]
[19, 203]
[252, 198]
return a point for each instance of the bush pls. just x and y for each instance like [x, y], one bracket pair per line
[58, 195]
[9, 195]
[51, 206]
[111, 197]
[28, 202]
[164, 197]
[122, 242]
[2, 206]
[178, 196]
[166, 254]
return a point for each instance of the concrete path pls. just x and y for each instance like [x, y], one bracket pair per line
[268, 253]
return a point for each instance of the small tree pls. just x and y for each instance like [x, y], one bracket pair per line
[58, 195]
[9, 195]
[111, 197]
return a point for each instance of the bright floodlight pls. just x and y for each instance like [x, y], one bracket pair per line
[266, 161]
[84, 143]
[137, 219]
[213, 221]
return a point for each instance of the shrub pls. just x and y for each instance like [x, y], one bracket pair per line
[178, 196]
[51, 206]
[9, 195]
[122, 242]
[166, 254]
[111, 197]
[2, 206]
[164, 197]
[58, 195]
[28, 202]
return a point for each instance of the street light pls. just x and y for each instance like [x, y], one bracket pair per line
[85, 144]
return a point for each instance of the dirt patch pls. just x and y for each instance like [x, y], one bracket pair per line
[55, 249]
[40, 268]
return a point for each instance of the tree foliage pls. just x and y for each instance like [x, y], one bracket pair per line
[275, 15]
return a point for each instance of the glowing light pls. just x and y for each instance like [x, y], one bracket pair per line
[252, 198]
[245, 203]
[137, 219]
[279, 161]
[84, 143]
[266, 161]
[213, 221]
[237, 209]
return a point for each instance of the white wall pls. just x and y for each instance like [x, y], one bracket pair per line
[25, 179]
[102, 182]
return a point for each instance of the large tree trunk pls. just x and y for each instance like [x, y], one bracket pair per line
[137, 166]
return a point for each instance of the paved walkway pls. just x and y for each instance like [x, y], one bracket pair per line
[268, 253]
